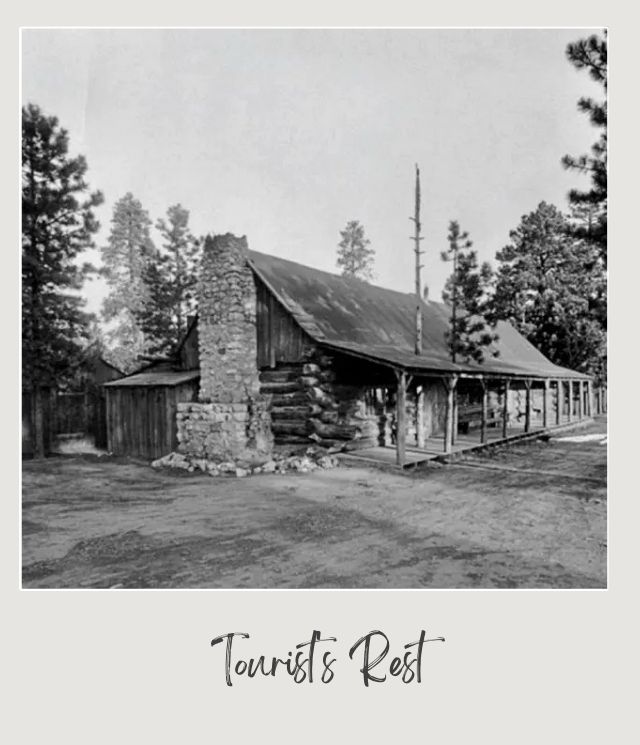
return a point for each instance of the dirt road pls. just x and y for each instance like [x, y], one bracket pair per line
[530, 516]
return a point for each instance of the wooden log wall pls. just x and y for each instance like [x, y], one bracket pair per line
[331, 412]
[308, 405]
[290, 406]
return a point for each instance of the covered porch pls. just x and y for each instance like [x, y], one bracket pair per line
[433, 414]
[439, 409]
[488, 409]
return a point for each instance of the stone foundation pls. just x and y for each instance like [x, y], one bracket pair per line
[225, 431]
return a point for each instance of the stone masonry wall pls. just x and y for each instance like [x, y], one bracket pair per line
[434, 407]
[227, 322]
[224, 431]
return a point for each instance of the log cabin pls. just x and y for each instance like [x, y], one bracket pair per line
[284, 353]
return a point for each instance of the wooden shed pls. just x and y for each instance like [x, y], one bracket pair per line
[141, 411]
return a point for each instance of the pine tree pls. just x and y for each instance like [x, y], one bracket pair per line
[584, 218]
[590, 54]
[171, 281]
[355, 258]
[57, 225]
[470, 335]
[125, 258]
[156, 318]
[546, 284]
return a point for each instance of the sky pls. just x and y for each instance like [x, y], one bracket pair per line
[285, 135]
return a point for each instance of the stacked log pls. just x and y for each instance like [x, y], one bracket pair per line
[307, 405]
[290, 408]
[343, 421]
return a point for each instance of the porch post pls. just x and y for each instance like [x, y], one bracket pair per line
[454, 418]
[483, 423]
[580, 400]
[559, 392]
[420, 439]
[570, 387]
[527, 411]
[505, 409]
[450, 385]
[401, 412]
[545, 395]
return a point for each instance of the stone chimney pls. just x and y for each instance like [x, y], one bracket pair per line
[227, 322]
[231, 421]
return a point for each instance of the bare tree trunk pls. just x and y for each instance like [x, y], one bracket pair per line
[417, 239]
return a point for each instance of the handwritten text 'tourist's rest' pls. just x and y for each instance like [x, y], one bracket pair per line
[314, 660]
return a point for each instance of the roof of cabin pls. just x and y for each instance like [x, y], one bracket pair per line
[378, 324]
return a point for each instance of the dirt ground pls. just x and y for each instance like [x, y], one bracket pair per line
[95, 522]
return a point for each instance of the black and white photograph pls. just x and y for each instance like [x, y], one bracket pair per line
[311, 308]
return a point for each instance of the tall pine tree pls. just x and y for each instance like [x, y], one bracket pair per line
[171, 282]
[470, 336]
[590, 54]
[545, 287]
[125, 259]
[58, 223]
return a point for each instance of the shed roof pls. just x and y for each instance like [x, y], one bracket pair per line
[154, 378]
[378, 324]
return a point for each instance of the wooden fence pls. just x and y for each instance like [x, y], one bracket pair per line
[79, 414]
[72, 413]
[28, 425]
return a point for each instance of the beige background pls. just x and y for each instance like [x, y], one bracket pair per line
[517, 666]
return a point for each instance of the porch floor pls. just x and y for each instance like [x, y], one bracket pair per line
[434, 447]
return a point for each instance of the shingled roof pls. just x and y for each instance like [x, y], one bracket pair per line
[378, 324]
